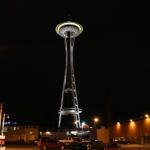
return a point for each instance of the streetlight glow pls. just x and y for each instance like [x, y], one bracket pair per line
[96, 120]
[131, 120]
[83, 124]
[118, 123]
[146, 116]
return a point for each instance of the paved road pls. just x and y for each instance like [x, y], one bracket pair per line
[135, 147]
[19, 148]
[124, 147]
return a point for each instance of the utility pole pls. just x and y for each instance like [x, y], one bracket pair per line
[2, 137]
[1, 111]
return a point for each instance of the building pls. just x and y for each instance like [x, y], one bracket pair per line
[135, 130]
[103, 135]
[24, 134]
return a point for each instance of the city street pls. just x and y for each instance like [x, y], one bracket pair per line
[135, 147]
[123, 147]
[28, 147]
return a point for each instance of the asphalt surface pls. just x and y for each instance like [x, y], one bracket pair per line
[123, 147]
[19, 147]
[135, 147]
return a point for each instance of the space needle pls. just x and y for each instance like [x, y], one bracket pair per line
[69, 102]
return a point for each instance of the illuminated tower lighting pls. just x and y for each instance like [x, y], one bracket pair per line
[69, 30]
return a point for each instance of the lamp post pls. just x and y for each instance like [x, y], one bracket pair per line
[1, 111]
[142, 123]
[96, 120]
[145, 124]
[3, 123]
[83, 124]
[2, 136]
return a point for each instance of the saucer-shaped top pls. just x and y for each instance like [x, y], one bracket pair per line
[72, 27]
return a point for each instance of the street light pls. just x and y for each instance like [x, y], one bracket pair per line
[146, 116]
[83, 124]
[1, 111]
[3, 123]
[96, 120]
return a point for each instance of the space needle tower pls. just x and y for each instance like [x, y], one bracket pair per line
[69, 101]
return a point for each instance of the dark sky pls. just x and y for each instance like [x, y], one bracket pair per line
[111, 59]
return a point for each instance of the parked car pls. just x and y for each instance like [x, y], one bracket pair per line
[97, 145]
[46, 143]
[85, 140]
[75, 141]
[122, 140]
[112, 146]
[2, 142]
[36, 141]
[68, 140]
[78, 146]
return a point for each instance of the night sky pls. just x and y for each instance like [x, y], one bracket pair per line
[111, 59]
